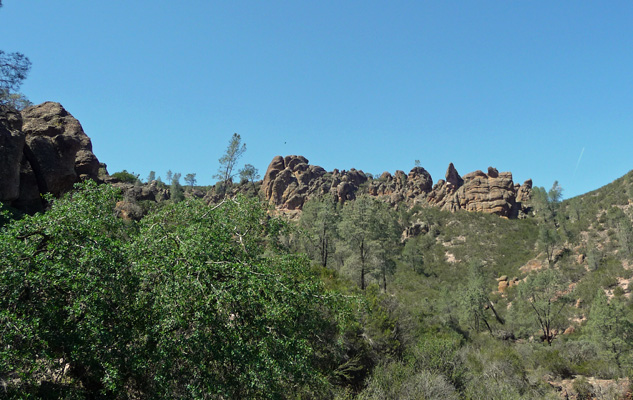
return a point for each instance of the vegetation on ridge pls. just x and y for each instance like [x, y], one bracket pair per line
[220, 299]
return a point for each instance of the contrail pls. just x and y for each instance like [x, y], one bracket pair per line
[579, 158]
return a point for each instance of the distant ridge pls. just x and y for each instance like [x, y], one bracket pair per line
[290, 181]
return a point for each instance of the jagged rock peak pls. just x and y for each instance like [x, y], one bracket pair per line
[290, 181]
[452, 177]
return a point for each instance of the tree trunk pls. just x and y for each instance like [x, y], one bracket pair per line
[362, 265]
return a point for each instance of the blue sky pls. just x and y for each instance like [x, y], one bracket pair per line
[526, 87]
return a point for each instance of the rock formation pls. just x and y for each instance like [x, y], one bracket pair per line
[43, 149]
[290, 181]
[493, 192]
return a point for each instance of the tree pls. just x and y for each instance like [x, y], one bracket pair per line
[168, 176]
[319, 219]
[175, 189]
[14, 68]
[546, 205]
[387, 236]
[368, 230]
[249, 174]
[475, 301]
[543, 293]
[190, 179]
[66, 290]
[192, 302]
[151, 177]
[555, 193]
[228, 161]
[127, 177]
[625, 236]
[548, 238]
[608, 325]
[16, 100]
[214, 288]
[414, 251]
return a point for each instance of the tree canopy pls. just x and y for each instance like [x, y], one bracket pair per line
[193, 301]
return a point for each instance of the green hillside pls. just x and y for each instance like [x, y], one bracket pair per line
[223, 300]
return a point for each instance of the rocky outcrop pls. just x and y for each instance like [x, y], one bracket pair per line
[505, 283]
[402, 187]
[493, 192]
[416, 228]
[43, 150]
[290, 181]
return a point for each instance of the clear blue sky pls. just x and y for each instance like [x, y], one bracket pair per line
[526, 87]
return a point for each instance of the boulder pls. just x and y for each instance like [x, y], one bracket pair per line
[415, 229]
[61, 149]
[56, 154]
[419, 183]
[503, 284]
[43, 149]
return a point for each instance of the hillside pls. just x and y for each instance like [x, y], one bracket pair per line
[307, 284]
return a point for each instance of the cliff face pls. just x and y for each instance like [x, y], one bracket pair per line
[290, 181]
[43, 149]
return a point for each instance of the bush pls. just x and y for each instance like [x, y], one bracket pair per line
[583, 389]
[438, 352]
[125, 177]
[401, 381]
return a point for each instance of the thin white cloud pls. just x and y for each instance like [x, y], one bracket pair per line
[578, 162]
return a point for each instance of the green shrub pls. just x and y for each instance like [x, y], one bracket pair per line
[583, 389]
[125, 177]
[396, 380]
[438, 352]
[550, 360]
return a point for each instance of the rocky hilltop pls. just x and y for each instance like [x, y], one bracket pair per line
[290, 181]
[43, 149]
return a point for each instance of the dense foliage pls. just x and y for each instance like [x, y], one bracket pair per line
[193, 302]
[224, 301]
[451, 333]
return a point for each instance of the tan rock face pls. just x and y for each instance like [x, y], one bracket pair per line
[290, 181]
[493, 193]
[485, 193]
[401, 187]
[49, 150]
[60, 147]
